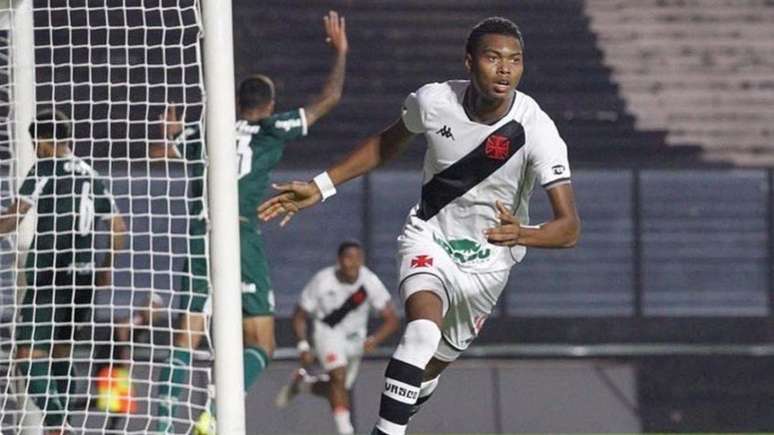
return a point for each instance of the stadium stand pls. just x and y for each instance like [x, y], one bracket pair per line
[699, 69]
[400, 45]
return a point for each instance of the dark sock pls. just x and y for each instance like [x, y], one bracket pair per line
[401, 390]
[171, 380]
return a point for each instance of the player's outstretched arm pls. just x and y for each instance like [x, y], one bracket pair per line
[370, 153]
[326, 100]
[563, 231]
[10, 217]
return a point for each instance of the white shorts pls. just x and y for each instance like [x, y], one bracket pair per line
[336, 349]
[468, 298]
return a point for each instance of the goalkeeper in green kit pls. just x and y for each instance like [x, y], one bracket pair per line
[260, 140]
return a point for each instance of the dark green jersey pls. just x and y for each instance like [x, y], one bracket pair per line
[259, 149]
[190, 147]
[68, 197]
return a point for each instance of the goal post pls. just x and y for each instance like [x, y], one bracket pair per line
[18, 97]
[113, 68]
[224, 215]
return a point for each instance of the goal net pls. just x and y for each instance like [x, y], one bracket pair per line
[76, 352]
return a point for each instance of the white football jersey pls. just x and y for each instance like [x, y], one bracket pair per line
[469, 165]
[340, 305]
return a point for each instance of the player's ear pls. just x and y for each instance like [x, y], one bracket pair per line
[468, 62]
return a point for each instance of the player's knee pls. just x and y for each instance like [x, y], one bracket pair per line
[419, 342]
[421, 333]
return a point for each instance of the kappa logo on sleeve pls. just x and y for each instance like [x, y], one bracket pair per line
[446, 132]
[421, 261]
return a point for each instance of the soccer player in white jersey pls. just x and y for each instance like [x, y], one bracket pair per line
[487, 146]
[339, 299]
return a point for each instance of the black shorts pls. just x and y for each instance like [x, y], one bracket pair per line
[55, 303]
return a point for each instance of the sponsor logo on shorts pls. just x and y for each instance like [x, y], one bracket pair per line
[464, 250]
[270, 299]
[248, 287]
[422, 261]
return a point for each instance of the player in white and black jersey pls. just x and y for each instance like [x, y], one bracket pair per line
[488, 145]
[339, 299]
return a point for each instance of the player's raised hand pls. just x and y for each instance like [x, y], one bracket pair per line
[293, 197]
[336, 32]
[171, 124]
[508, 231]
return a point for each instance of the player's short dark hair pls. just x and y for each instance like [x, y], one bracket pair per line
[50, 124]
[346, 244]
[498, 25]
[255, 91]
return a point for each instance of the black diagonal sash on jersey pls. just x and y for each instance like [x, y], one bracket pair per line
[467, 172]
[353, 301]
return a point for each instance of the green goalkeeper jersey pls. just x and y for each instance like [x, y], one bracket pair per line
[259, 147]
[68, 197]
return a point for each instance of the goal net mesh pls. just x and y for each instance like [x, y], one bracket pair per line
[113, 67]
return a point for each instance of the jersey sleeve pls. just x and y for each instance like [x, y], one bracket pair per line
[189, 144]
[32, 186]
[377, 292]
[104, 203]
[548, 154]
[307, 300]
[287, 125]
[412, 115]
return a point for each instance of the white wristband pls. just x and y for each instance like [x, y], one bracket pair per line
[325, 184]
[303, 346]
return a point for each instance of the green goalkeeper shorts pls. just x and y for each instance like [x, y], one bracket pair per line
[257, 294]
[55, 304]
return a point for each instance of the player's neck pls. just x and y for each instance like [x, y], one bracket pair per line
[343, 278]
[484, 110]
[254, 115]
[52, 151]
